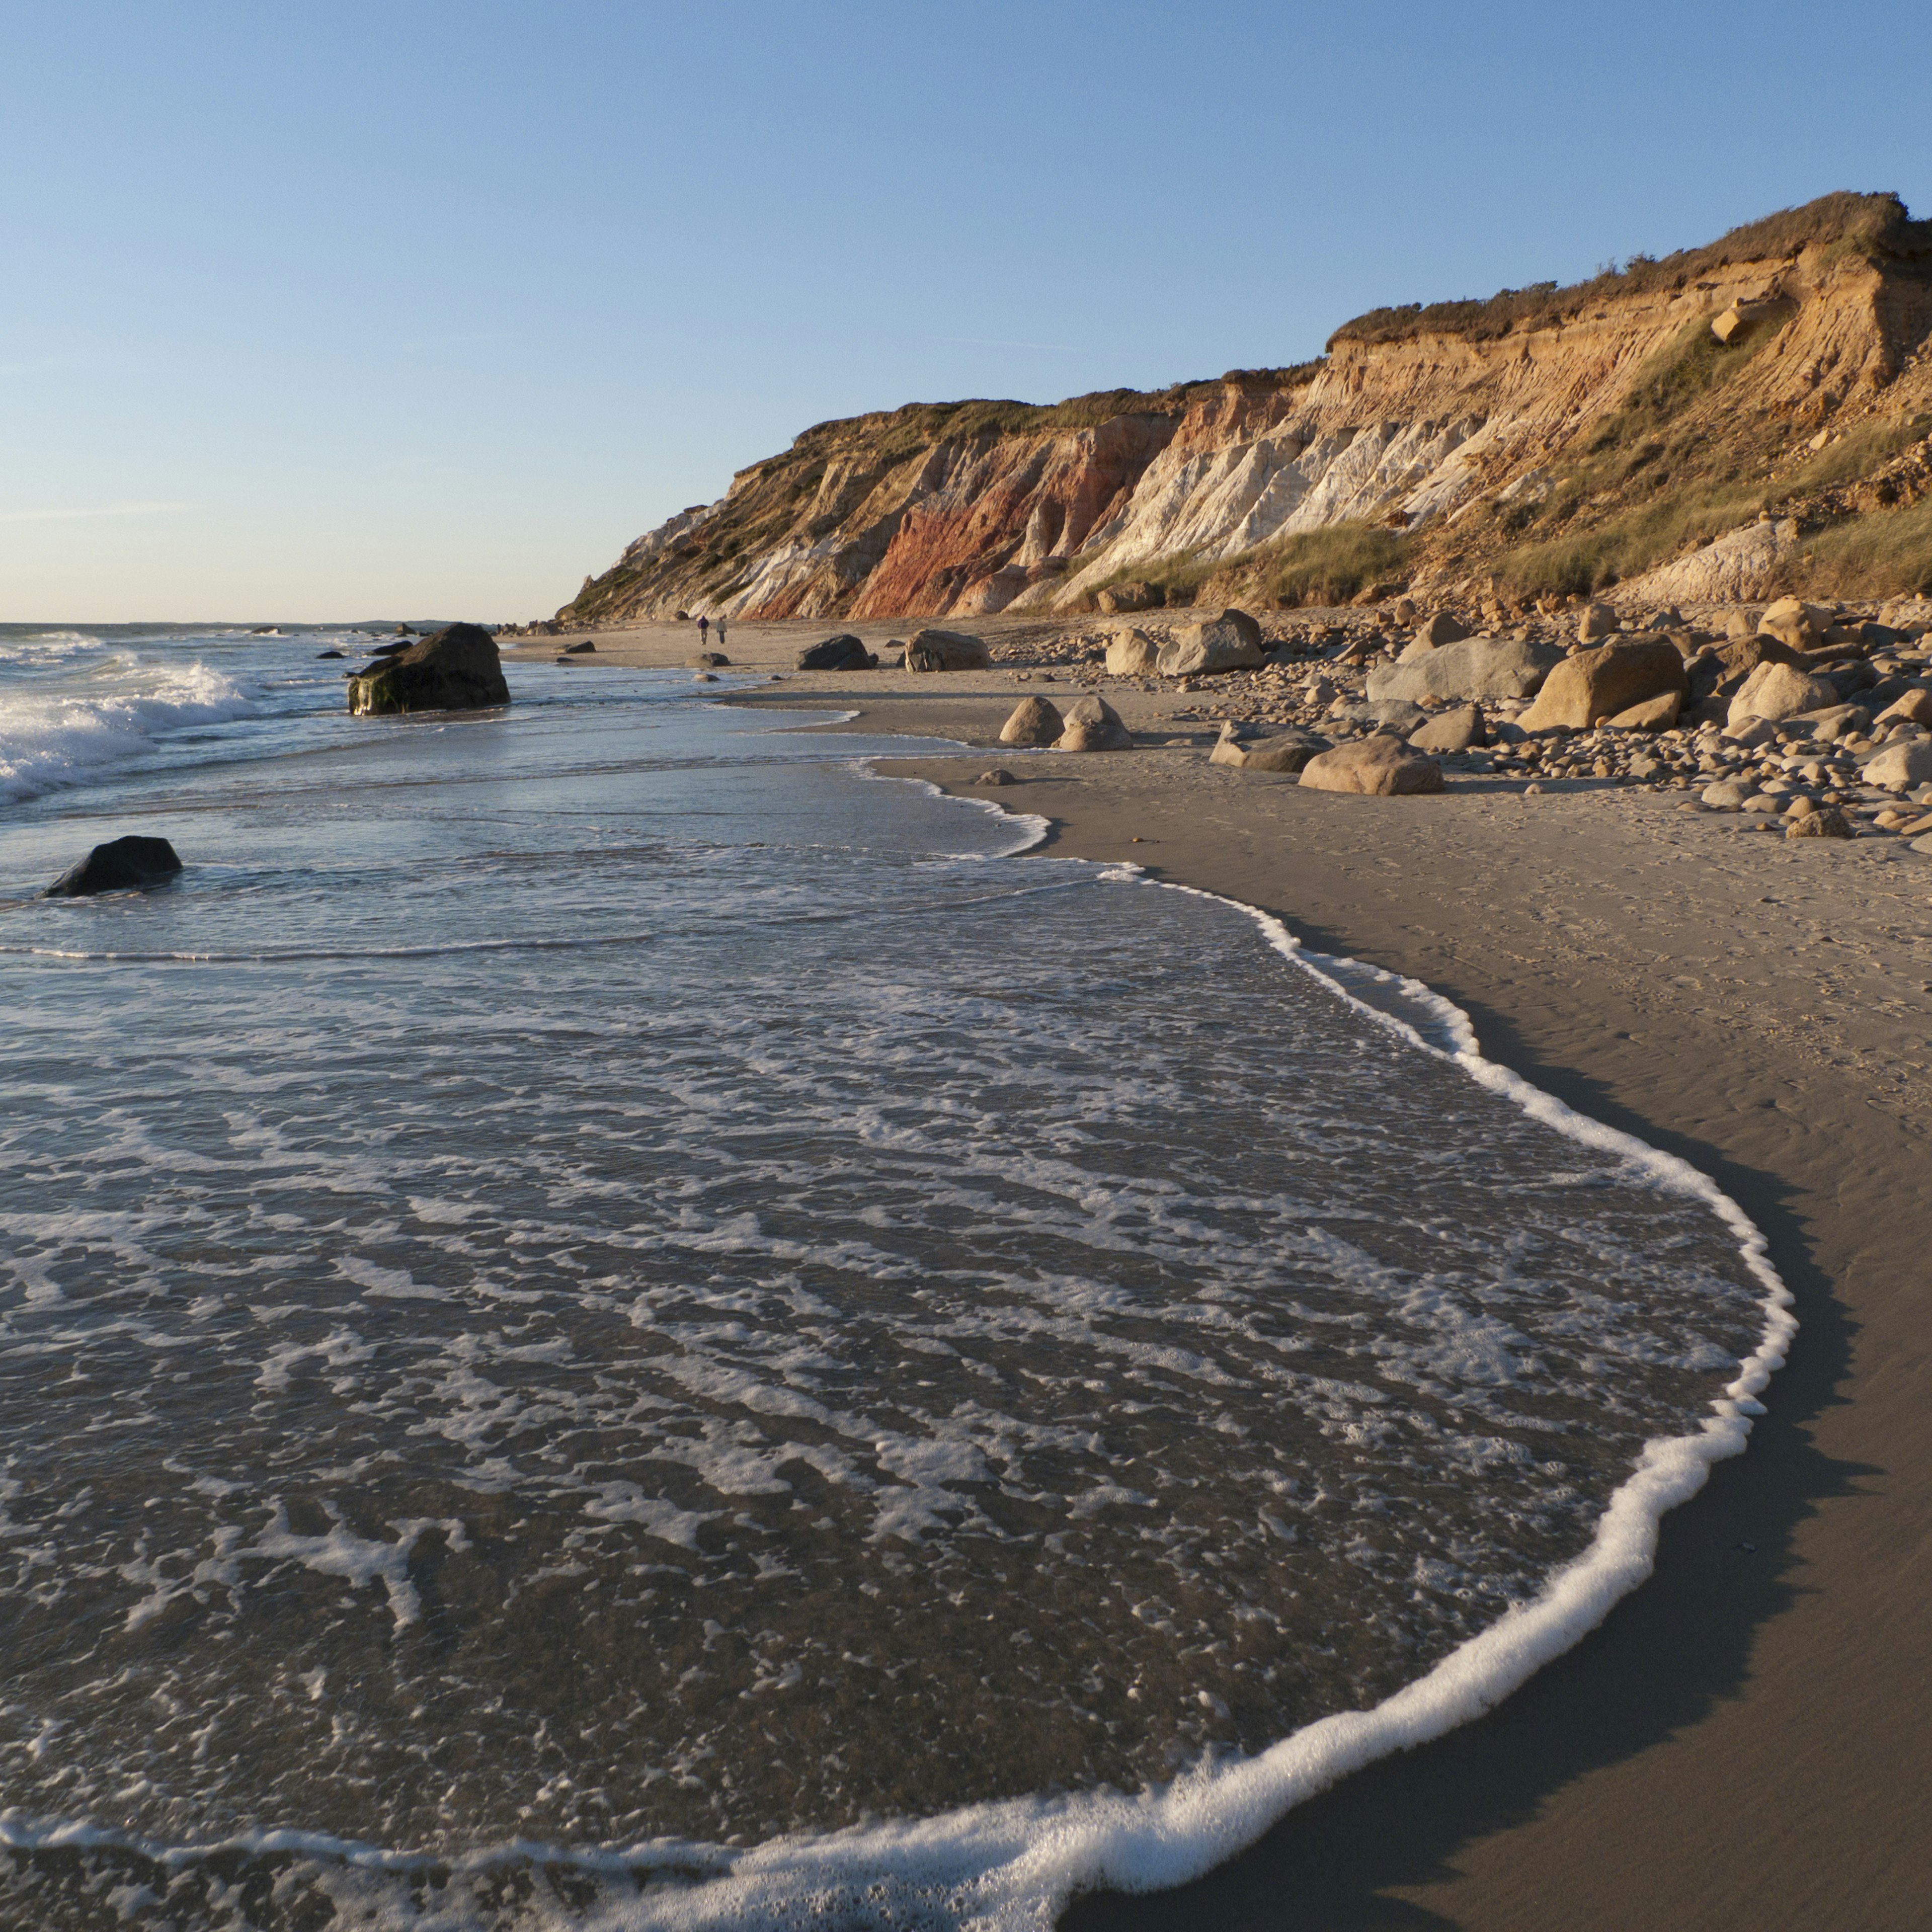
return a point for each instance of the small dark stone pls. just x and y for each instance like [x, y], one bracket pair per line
[121, 863]
[577, 650]
[321, 654]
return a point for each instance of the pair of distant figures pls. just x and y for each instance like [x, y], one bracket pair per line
[704, 626]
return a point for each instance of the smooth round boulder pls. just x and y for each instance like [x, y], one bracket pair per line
[1901, 765]
[1133, 654]
[1035, 721]
[1776, 692]
[1380, 767]
[117, 866]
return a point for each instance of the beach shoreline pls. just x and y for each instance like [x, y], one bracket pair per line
[1744, 1735]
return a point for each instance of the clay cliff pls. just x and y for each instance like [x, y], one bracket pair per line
[1728, 421]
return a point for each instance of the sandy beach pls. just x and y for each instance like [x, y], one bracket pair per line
[1745, 1739]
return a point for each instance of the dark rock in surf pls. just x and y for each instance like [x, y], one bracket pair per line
[320, 655]
[843, 652]
[120, 864]
[458, 669]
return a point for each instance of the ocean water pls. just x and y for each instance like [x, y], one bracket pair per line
[608, 1320]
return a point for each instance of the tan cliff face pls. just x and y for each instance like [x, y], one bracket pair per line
[1560, 436]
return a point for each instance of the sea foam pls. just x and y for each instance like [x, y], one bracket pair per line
[51, 738]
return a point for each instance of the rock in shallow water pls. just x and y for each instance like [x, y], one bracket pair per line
[118, 864]
[458, 669]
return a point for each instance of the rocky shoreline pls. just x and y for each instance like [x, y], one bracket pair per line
[1809, 720]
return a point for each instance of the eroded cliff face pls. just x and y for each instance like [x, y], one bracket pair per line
[1455, 427]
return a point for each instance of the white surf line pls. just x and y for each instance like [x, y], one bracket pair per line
[453, 949]
[1012, 1865]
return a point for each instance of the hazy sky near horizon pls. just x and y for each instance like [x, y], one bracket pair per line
[427, 309]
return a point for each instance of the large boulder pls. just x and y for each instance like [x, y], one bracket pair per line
[1133, 654]
[1230, 642]
[702, 661]
[1035, 721]
[458, 669]
[1464, 672]
[1901, 766]
[1092, 725]
[1590, 685]
[119, 864]
[1383, 767]
[1131, 597]
[1776, 691]
[1455, 730]
[946, 650]
[1287, 750]
[843, 652]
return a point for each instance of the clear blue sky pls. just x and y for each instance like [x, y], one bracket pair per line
[344, 310]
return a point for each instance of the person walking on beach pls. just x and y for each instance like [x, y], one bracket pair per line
[721, 630]
[704, 624]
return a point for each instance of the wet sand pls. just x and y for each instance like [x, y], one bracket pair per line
[1748, 1738]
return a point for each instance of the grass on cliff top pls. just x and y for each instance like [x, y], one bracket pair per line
[897, 434]
[1876, 226]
